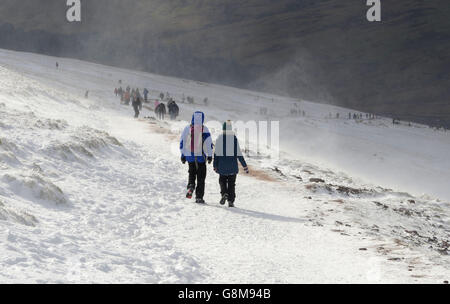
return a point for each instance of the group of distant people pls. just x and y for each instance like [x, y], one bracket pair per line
[172, 109]
[361, 116]
[133, 96]
[296, 111]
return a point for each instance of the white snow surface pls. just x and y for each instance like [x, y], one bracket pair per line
[89, 194]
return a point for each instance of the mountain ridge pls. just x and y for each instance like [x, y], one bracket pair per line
[324, 51]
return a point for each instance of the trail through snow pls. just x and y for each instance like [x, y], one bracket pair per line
[89, 194]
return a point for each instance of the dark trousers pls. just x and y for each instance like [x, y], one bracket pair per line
[136, 111]
[228, 186]
[197, 172]
[160, 115]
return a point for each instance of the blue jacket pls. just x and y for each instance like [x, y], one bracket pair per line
[196, 142]
[227, 153]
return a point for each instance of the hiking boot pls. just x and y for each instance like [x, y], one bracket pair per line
[189, 193]
[230, 204]
[200, 201]
[224, 199]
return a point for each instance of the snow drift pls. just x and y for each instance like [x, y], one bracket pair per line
[89, 194]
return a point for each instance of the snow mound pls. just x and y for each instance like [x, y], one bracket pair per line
[15, 118]
[35, 187]
[8, 213]
[8, 152]
[51, 124]
[85, 142]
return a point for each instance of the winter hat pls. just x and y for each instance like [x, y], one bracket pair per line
[227, 126]
[198, 118]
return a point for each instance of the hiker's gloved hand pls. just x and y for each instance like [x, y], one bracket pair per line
[209, 160]
[215, 170]
[246, 170]
[183, 159]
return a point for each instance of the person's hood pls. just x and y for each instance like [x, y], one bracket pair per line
[198, 118]
[227, 126]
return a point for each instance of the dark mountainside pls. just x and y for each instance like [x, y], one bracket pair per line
[322, 50]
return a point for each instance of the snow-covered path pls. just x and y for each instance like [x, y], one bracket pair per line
[88, 194]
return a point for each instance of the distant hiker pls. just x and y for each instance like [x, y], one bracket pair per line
[137, 106]
[127, 97]
[145, 94]
[196, 149]
[115, 91]
[161, 96]
[205, 101]
[160, 111]
[57, 65]
[138, 94]
[174, 110]
[226, 156]
[120, 93]
[349, 115]
[86, 95]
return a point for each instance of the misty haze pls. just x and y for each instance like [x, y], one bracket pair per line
[224, 142]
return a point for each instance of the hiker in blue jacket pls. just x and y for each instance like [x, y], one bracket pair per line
[145, 94]
[196, 149]
[226, 156]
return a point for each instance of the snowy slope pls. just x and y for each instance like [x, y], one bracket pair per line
[88, 194]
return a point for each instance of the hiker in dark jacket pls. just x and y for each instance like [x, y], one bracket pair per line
[120, 93]
[137, 106]
[196, 149]
[160, 111]
[174, 110]
[226, 156]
